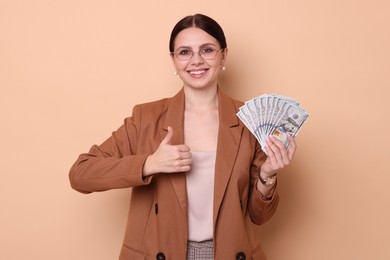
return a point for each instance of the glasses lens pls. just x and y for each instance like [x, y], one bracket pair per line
[184, 54]
[208, 53]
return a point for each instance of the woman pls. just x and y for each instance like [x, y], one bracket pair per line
[200, 180]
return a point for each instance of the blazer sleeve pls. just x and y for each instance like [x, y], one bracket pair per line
[114, 164]
[260, 210]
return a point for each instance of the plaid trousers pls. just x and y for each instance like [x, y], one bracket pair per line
[200, 250]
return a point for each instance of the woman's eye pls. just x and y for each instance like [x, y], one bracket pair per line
[184, 52]
[207, 50]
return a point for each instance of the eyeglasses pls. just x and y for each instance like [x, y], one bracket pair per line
[205, 53]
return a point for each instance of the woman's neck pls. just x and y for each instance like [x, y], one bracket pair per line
[201, 99]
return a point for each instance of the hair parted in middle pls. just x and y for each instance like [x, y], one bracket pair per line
[202, 22]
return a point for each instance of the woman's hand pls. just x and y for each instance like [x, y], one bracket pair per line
[168, 158]
[278, 156]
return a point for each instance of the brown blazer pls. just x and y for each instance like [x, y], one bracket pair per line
[157, 220]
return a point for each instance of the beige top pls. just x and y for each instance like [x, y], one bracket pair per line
[200, 192]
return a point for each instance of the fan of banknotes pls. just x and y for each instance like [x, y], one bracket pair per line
[272, 114]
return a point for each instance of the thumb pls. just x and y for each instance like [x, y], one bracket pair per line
[168, 137]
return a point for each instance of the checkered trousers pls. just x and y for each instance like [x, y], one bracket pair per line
[200, 250]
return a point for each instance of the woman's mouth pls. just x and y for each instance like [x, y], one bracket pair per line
[197, 73]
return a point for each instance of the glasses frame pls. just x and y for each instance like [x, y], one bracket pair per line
[199, 53]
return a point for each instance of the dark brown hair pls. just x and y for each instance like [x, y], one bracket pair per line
[200, 21]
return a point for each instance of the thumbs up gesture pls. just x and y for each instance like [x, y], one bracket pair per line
[168, 158]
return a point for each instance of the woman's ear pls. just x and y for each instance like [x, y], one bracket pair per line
[172, 57]
[173, 63]
[224, 57]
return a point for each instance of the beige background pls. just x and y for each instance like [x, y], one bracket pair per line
[71, 71]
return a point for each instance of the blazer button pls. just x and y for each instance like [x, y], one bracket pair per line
[156, 208]
[160, 256]
[240, 256]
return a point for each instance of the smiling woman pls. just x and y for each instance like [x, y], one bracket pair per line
[199, 177]
[198, 58]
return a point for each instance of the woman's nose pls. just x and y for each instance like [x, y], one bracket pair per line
[197, 58]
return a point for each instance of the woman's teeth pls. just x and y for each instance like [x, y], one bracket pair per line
[197, 72]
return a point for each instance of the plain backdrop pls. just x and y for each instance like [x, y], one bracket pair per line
[71, 71]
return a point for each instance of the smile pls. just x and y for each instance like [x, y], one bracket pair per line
[197, 72]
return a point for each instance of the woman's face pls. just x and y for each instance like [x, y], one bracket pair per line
[198, 72]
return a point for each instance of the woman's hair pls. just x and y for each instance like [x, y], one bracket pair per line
[200, 21]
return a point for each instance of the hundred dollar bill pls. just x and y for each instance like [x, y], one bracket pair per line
[272, 114]
[292, 120]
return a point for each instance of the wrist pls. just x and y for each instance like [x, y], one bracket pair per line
[266, 191]
[269, 180]
[147, 169]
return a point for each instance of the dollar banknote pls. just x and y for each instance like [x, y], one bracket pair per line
[272, 114]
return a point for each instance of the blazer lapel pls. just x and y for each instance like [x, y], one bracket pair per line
[175, 119]
[229, 137]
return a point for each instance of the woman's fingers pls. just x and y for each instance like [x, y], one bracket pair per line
[292, 148]
[279, 155]
[274, 154]
[168, 158]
